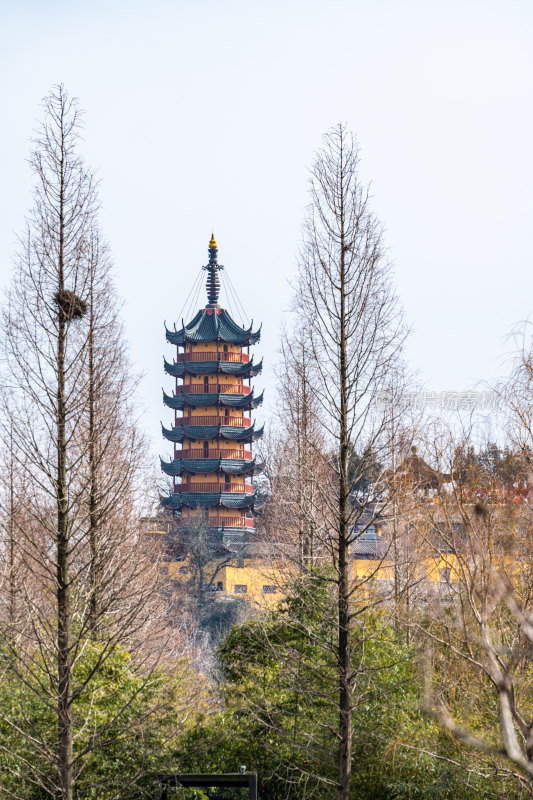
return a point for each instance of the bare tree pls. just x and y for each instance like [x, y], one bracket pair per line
[12, 512]
[116, 450]
[481, 623]
[206, 555]
[353, 349]
[69, 417]
[516, 394]
[293, 458]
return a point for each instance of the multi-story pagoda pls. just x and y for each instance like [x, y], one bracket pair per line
[213, 432]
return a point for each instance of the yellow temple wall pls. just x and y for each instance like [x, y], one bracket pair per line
[366, 568]
[261, 583]
[254, 575]
[257, 573]
[442, 568]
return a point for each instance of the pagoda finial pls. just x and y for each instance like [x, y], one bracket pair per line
[212, 283]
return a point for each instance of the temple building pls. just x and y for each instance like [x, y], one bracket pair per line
[213, 466]
[213, 431]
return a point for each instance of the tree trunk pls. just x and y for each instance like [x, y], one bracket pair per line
[93, 475]
[345, 689]
[64, 709]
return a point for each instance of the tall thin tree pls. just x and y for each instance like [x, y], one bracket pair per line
[76, 447]
[356, 332]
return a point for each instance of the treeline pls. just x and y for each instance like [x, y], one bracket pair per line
[398, 664]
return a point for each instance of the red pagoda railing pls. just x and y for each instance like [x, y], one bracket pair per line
[211, 355]
[232, 488]
[231, 522]
[213, 453]
[212, 388]
[236, 422]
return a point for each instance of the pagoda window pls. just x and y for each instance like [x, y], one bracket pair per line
[227, 479]
[206, 380]
[206, 447]
[225, 348]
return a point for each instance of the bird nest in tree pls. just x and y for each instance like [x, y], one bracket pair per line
[70, 305]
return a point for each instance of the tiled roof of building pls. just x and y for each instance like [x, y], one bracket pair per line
[420, 474]
[228, 432]
[244, 370]
[198, 466]
[208, 500]
[211, 325]
[369, 544]
[244, 401]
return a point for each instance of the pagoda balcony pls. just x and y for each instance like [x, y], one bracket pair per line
[214, 453]
[230, 522]
[213, 388]
[236, 422]
[232, 488]
[211, 355]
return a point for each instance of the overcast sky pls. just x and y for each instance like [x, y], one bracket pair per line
[205, 115]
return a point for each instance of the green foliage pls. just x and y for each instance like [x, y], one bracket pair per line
[491, 465]
[280, 711]
[126, 726]
[364, 470]
[274, 710]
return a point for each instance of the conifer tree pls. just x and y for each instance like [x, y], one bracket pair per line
[78, 456]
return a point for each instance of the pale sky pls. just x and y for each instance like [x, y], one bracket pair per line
[205, 115]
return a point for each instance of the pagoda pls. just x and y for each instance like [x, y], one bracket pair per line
[213, 432]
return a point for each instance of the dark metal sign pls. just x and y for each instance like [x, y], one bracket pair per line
[226, 780]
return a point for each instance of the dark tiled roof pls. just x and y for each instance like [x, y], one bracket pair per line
[229, 432]
[251, 547]
[420, 474]
[249, 370]
[210, 325]
[368, 544]
[198, 466]
[208, 500]
[244, 401]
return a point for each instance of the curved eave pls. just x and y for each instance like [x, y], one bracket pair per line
[370, 554]
[179, 401]
[203, 466]
[244, 370]
[208, 500]
[210, 325]
[255, 337]
[227, 432]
